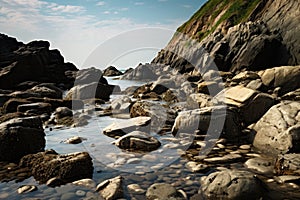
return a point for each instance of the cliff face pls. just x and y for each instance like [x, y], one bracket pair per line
[237, 35]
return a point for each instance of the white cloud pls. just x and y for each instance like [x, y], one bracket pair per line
[139, 3]
[187, 6]
[68, 8]
[106, 12]
[101, 3]
[124, 9]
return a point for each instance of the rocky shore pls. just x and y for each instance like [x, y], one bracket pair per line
[217, 122]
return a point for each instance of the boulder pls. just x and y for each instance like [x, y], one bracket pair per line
[47, 90]
[67, 167]
[162, 85]
[137, 140]
[21, 136]
[278, 130]
[111, 189]
[141, 72]
[288, 164]
[89, 75]
[232, 184]
[285, 77]
[261, 165]
[111, 71]
[252, 104]
[92, 90]
[11, 105]
[163, 191]
[121, 104]
[209, 119]
[121, 128]
[35, 108]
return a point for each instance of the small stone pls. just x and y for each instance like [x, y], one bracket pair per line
[224, 159]
[245, 147]
[26, 189]
[73, 140]
[80, 193]
[135, 188]
[89, 183]
[195, 167]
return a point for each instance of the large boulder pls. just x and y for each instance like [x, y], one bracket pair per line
[112, 71]
[278, 130]
[66, 168]
[137, 140]
[232, 184]
[32, 62]
[285, 77]
[118, 129]
[252, 104]
[163, 191]
[35, 108]
[89, 75]
[91, 90]
[21, 136]
[209, 119]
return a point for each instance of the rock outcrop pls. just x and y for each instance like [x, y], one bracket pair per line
[19, 61]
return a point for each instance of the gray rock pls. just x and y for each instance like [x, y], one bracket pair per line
[209, 118]
[121, 128]
[62, 112]
[196, 167]
[277, 131]
[87, 182]
[251, 104]
[199, 100]
[163, 191]
[138, 140]
[141, 72]
[162, 85]
[92, 90]
[89, 75]
[135, 188]
[111, 189]
[67, 167]
[288, 164]
[21, 136]
[112, 71]
[285, 77]
[121, 105]
[74, 140]
[231, 184]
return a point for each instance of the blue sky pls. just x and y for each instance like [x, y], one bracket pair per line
[78, 27]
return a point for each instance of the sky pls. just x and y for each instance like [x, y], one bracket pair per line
[78, 28]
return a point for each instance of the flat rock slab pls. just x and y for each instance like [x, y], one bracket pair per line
[287, 179]
[118, 129]
[261, 165]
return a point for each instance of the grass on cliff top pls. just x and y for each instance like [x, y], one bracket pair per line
[237, 10]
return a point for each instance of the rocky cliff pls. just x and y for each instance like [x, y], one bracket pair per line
[33, 62]
[238, 35]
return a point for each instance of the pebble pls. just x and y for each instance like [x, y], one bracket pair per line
[135, 188]
[80, 193]
[245, 147]
[224, 159]
[26, 189]
[73, 140]
[133, 161]
[221, 146]
[195, 167]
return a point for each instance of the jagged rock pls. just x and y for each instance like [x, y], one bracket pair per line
[160, 115]
[162, 85]
[112, 71]
[111, 189]
[284, 77]
[278, 130]
[121, 105]
[117, 129]
[162, 191]
[288, 164]
[137, 140]
[32, 62]
[141, 72]
[92, 90]
[35, 108]
[199, 100]
[252, 104]
[21, 136]
[232, 184]
[66, 167]
[209, 119]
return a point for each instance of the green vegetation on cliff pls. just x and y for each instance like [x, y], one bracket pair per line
[215, 12]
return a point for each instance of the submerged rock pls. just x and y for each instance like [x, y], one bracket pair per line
[163, 191]
[137, 140]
